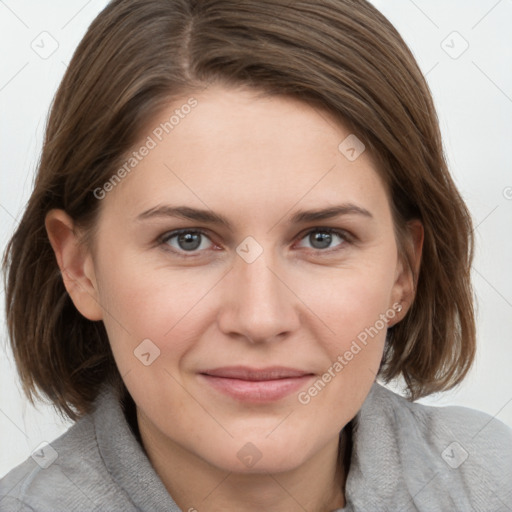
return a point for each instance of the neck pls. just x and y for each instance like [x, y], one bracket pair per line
[195, 485]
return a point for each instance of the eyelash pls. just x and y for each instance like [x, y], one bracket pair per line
[162, 240]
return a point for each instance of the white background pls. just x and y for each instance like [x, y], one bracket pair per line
[473, 95]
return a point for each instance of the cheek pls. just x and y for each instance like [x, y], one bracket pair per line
[141, 303]
[171, 307]
[356, 313]
[354, 306]
[350, 299]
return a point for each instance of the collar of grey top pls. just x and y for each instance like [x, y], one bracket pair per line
[127, 440]
[405, 456]
[130, 414]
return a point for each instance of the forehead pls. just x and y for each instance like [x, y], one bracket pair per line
[234, 149]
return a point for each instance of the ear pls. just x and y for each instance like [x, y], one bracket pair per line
[75, 263]
[404, 288]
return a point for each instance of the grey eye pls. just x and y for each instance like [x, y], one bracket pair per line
[186, 241]
[323, 238]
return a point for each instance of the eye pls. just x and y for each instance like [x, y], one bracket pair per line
[185, 241]
[190, 242]
[322, 238]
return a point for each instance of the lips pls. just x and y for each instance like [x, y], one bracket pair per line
[245, 373]
[256, 385]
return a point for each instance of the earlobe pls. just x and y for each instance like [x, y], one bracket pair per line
[75, 264]
[408, 268]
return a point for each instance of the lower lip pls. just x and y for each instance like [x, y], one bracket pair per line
[257, 391]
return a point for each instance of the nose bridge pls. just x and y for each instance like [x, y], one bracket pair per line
[260, 306]
[257, 283]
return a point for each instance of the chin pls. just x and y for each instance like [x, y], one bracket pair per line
[251, 457]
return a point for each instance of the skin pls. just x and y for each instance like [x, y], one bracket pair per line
[256, 162]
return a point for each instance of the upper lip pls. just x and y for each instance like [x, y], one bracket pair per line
[246, 373]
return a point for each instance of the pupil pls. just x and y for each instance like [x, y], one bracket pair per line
[189, 241]
[323, 238]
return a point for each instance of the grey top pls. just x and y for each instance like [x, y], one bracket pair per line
[405, 457]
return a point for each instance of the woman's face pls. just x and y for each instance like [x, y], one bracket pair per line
[276, 286]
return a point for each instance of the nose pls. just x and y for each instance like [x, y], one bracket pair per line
[257, 303]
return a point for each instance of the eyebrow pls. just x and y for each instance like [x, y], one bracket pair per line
[210, 217]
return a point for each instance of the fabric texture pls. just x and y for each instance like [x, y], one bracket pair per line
[405, 457]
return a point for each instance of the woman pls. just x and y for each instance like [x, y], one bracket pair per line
[242, 217]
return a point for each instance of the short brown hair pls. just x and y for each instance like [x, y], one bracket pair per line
[138, 55]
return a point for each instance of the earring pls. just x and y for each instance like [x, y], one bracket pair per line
[399, 308]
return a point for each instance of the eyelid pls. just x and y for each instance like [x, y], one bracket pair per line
[346, 236]
[327, 229]
[163, 239]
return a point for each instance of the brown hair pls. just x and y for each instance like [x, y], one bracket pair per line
[137, 55]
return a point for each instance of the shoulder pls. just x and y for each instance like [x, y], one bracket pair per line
[64, 475]
[463, 425]
[44, 472]
[468, 452]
